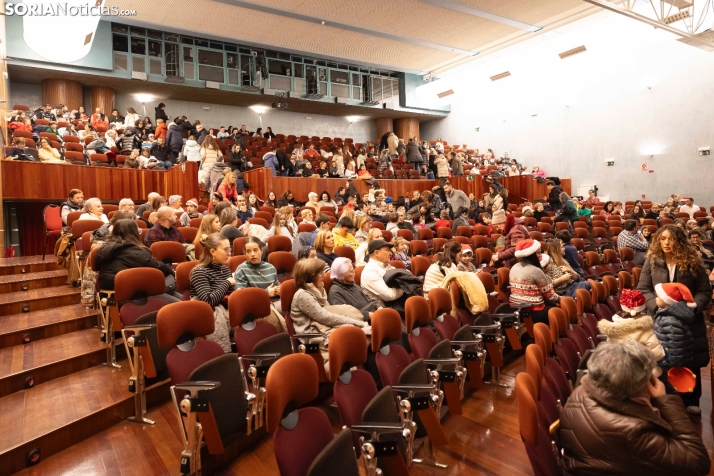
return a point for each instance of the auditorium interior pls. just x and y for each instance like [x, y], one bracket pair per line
[459, 209]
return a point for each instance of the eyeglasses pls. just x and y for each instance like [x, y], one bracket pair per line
[227, 250]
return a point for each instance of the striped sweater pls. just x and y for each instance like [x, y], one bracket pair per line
[530, 285]
[261, 276]
[210, 283]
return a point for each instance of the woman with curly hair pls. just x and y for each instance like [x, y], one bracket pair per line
[673, 259]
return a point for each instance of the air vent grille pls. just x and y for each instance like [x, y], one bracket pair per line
[501, 76]
[445, 93]
[574, 51]
[677, 17]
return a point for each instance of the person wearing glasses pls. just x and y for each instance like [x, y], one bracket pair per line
[211, 282]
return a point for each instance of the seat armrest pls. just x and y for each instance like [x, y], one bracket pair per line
[260, 356]
[378, 427]
[417, 387]
[448, 360]
[196, 385]
[306, 336]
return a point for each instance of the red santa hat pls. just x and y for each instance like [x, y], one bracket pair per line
[632, 301]
[466, 248]
[526, 248]
[672, 293]
[544, 260]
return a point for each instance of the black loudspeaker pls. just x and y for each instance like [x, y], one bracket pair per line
[33, 457]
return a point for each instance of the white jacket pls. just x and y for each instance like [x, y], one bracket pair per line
[372, 282]
[192, 151]
[131, 119]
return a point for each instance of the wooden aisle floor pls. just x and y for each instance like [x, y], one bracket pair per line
[483, 441]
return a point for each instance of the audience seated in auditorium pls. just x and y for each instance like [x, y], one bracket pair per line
[229, 220]
[48, 154]
[372, 278]
[689, 207]
[621, 421]
[343, 233]
[74, 203]
[324, 245]
[565, 279]
[191, 212]
[211, 281]
[93, 210]
[706, 252]
[446, 263]
[164, 230]
[311, 311]
[123, 250]
[631, 237]
[530, 287]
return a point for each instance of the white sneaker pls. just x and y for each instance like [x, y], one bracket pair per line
[693, 410]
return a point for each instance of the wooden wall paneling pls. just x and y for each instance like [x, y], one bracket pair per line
[407, 127]
[62, 91]
[103, 98]
[384, 124]
[52, 182]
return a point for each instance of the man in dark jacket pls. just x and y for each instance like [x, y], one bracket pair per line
[159, 113]
[571, 252]
[413, 154]
[185, 126]
[283, 162]
[161, 152]
[201, 134]
[174, 141]
[553, 197]
[620, 421]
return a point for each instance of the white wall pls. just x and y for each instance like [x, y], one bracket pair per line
[24, 93]
[596, 106]
[281, 121]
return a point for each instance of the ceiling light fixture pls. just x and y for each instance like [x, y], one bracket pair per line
[259, 109]
[144, 98]
[78, 31]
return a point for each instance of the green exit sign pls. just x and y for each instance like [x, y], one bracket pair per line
[610, 163]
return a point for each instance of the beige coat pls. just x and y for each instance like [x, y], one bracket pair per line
[392, 143]
[639, 329]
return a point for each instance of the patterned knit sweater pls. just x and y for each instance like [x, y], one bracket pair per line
[530, 285]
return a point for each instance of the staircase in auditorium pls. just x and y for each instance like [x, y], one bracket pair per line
[54, 390]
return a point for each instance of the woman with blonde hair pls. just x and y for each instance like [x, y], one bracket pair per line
[210, 154]
[565, 279]
[324, 244]
[361, 251]
[280, 226]
[210, 224]
[362, 224]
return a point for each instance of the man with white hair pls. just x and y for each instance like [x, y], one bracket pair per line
[175, 203]
[145, 207]
[164, 229]
[126, 204]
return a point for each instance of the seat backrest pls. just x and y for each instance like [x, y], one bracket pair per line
[419, 264]
[421, 338]
[181, 323]
[239, 246]
[283, 261]
[418, 247]
[279, 243]
[391, 359]
[53, 218]
[188, 233]
[287, 291]
[236, 261]
[79, 227]
[168, 251]
[345, 252]
[183, 278]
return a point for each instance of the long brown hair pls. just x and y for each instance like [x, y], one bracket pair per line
[306, 270]
[684, 252]
[205, 229]
[212, 242]
[553, 250]
[126, 231]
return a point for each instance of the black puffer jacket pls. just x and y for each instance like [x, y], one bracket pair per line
[671, 326]
[129, 140]
[114, 257]
[654, 274]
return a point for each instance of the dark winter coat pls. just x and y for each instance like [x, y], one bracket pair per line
[129, 140]
[236, 161]
[399, 278]
[653, 274]
[671, 326]
[601, 435]
[114, 257]
[174, 139]
[344, 293]
[554, 198]
[160, 114]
